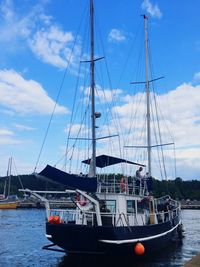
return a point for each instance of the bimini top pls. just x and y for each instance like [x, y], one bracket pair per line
[105, 161]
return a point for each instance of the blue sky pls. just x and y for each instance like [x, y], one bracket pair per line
[36, 38]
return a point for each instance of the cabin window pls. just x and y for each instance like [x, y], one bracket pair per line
[111, 205]
[130, 206]
[142, 205]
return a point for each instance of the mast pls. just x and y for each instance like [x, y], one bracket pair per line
[92, 84]
[9, 174]
[147, 94]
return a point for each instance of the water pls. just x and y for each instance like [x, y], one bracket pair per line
[22, 238]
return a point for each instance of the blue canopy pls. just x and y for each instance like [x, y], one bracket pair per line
[71, 180]
[104, 161]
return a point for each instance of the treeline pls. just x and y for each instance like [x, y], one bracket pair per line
[29, 181]
[178, 188]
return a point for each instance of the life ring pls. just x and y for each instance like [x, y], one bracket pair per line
[122, 184]
[81, 200]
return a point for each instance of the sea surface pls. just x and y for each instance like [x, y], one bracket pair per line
[22, 236]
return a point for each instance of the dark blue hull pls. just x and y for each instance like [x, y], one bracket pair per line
[96, 239]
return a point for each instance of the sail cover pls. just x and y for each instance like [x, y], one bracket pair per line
[105, 161]
[71, 180]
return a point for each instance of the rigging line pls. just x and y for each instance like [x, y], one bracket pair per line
[157, 148]
[71, 120]
[175, 167]
[9, 174]
[108, 105]
[157, 125]
[127, 59]
[140, 71]
[160, 137]
[84, 115]
[74, 113]
[134, 114]
[158, 165]
[20, 181]
[115, 121]
[87, 106]
[159, 131]
[57, 98]
[74, 144]
[156, 110]
[112, 95]
[133, 129]
[160, 111]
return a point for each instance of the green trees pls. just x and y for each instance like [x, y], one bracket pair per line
[178, 188]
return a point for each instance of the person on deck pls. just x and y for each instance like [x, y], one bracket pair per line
[138, 173]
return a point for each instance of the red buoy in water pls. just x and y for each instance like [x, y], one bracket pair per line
[139, 249]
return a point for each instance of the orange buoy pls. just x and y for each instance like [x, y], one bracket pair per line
[139, 249]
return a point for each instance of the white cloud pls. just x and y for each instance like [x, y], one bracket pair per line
[15, 25]
[5, 132]
[152, 10]
[116, 35]
[9, 141]
[22, 127]
[25, 96]
[181, 110]
[49, 43]
[54, 46]
[106, 95]
[7, 137]
[46, 19]
[103, 95]
[197, 76]
[74, 129]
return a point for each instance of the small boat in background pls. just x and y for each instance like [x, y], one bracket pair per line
[8, 204]
[8, 201]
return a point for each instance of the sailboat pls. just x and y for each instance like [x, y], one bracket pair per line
[117, 216]
[8, 201]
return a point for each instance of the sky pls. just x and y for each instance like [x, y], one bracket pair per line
[36, 40]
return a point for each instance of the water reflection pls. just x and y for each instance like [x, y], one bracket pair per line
[172, 256]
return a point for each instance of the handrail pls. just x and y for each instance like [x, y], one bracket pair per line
[116, 188]
[71, 215]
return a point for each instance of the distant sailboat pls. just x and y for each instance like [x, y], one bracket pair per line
[8, 201]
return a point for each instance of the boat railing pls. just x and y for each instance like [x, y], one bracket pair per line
[62, 216]
[168, 215]
[85, 217]
[122, 188]
[75, 216]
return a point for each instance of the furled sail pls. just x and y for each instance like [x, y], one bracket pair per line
[70, 180]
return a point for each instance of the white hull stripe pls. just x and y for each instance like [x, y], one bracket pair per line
[48, 236]
[119, 242]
